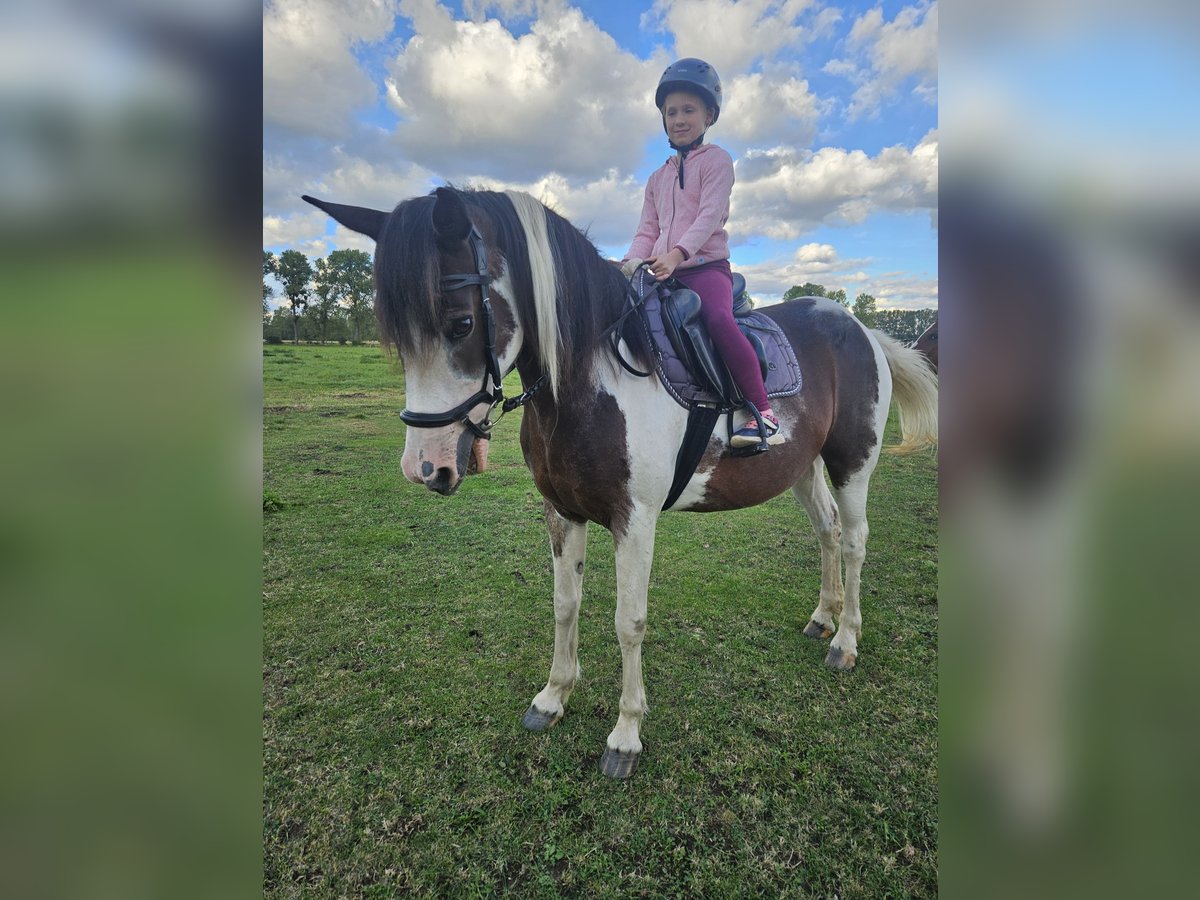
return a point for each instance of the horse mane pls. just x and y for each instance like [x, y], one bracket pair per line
[566, 293]
[544, 274]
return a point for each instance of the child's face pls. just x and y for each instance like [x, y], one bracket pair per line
[685, 116]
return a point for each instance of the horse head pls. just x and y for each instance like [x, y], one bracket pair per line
[445, 303]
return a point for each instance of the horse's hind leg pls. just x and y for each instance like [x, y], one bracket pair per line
[852, 505]
[814, 496]
[568, 541]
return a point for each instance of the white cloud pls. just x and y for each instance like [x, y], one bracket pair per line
[903, 290]
[891, 54]
[733, 34]
[475, 100]
[345, 239]
[348, 179]
[771, 110]
[786, 192]
[312, 83]
[816, 254]
[818, 263]
[560, 110]
[306, 232]
[822, 26]
[477, 10]
[356, 181]
[293, 231]
[606, 208]
[841, 67]
[341, 177]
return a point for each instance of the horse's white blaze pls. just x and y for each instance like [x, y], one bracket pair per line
[433, 385]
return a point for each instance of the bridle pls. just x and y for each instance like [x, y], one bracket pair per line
[491, 391]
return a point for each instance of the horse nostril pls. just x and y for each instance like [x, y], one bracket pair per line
[443, 482]
[426, 469]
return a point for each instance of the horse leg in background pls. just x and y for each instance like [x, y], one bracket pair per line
[852, 505]
[813, 494]
[568, 542]
[635, 555]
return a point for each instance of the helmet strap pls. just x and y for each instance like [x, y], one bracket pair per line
[687, 148]
[683, 152]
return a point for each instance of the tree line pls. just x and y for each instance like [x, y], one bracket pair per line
[905, 325]
[335, 300]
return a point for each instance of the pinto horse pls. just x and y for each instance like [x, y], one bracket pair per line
[472, 284]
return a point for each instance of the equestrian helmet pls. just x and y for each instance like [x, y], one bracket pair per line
[693, 75]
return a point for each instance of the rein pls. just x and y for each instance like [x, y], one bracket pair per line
[633, 304]
[491, 391]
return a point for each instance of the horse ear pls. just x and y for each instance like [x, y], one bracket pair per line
[451, 223]
[356, 218]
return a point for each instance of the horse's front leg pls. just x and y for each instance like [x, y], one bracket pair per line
[635, 554]
[568, 542]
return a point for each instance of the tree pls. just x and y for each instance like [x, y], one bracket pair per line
[295, 272]
[327, 297]
[345, 277]
[808, 289]
[277, 325]
[840, 296]
[270, 267]
[864, 309]
[905, 325]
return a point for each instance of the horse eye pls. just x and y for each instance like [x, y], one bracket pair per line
[460, 328]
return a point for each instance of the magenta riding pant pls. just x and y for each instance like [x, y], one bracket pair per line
[714, 283]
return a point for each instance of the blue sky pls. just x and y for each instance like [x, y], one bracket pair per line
[830, 114]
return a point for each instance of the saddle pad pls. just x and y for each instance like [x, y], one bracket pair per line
[783, 371]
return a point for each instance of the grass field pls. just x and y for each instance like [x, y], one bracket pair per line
[405, 634]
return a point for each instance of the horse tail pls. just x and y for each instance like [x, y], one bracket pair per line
[915, 389]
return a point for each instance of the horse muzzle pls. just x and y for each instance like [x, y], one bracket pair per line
[440, 458]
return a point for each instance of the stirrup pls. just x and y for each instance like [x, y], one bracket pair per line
[750, 435]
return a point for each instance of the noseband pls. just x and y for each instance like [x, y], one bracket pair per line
[492, 391]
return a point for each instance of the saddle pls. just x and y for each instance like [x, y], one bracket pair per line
[694, 374]
[687, 363]
[693, 345]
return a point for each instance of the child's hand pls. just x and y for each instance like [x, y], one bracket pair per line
[662, 266]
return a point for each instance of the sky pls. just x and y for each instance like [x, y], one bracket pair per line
[830, 113]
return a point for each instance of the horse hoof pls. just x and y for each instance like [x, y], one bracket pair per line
[616, 764]
[816, 630]
[840, 661]
[536, 720]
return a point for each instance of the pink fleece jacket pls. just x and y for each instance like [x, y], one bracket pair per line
[693, 218]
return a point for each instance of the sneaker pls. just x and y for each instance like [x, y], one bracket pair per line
[748, 435]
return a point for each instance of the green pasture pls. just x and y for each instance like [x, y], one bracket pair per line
[405, 634]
